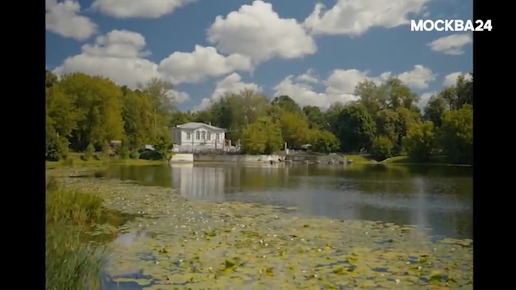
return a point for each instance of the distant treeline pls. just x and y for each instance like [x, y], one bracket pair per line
[87, 110]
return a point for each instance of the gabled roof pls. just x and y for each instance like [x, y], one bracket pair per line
[196, 125]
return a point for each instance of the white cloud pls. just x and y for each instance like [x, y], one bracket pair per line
[354, 17]
[424, 98]
[304, 94]
[202, 62]
[308, 77]
[418, 78]
[117, 55]
[63, 18]
[258, 32]
[178, 96]
[344, 81]
[341, 83]
[451, 44]
[451, 79]
[138, 8]
[230, 84]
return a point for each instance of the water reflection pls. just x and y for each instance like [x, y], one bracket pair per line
[438, 200]
[200, 183]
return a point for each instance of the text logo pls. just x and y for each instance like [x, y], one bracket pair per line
[450, 25]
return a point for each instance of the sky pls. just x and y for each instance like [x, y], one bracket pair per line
[316, 52]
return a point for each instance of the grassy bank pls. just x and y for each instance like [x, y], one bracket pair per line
[72, 260]
[74, 159]
[399, 160]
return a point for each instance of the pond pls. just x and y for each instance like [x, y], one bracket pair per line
[438, 200]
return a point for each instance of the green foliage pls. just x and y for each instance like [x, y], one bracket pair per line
[88, 153]
[134, 155]
[124, 151]
[420, 141]
[83, 109]
[315, 117]
[148, 154]
[456, 135]
[294, 129]
[163, 148]
[355, 128]
[382, 148]
[98, 102]
[435, 109]
[262, 137]
[70, 262]
[323, 141]
[286, 104]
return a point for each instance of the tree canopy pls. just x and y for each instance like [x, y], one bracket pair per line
[385, 121]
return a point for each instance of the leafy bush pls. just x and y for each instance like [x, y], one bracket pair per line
[90, 150]
[382, 148]
[134, 155]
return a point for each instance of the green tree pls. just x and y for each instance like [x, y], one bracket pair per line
[387, 121]
[420, 141]
[323, 141]
[355, 128]
[370, 96]
[315, 117]
[456, 135]
[61, 111]
[50, 79]
[331, 117]
[163, 106]
[406, 119]
[138, 118]
[99, 101]
[396, 94]
[262, 137]
[381, 148]
[88, 153]
[434, 110]
[464, 90]
[294, 129]
[286, 103]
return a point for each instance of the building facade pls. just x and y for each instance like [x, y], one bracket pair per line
[198, 137]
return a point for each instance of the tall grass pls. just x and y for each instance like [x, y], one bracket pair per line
[71, 261]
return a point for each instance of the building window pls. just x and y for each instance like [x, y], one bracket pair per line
[197, 135]
[203, 135]
[188, 136]
[209, 136]
[217, 137]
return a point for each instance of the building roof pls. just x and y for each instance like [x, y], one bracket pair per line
[196, 125]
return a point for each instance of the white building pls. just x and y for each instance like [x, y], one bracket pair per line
[196, 137]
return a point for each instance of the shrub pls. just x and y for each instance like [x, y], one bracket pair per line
[90, 150]
[382, 148]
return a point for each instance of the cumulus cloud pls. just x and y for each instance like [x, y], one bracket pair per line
[354, 17]
[121, 56]
[451, 44]
[203, 62]
[138, 8]
[63, 18]
[230, 84]
[424, 98]
[341, 83]
[418, 78]
[117, 55]
[308, 77]
[451, 79]
[178, 96]
[304, 94]
[257, 31]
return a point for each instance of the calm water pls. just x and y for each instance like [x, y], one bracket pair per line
[437, 199]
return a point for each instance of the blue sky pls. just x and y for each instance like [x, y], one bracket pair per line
[313, 51]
